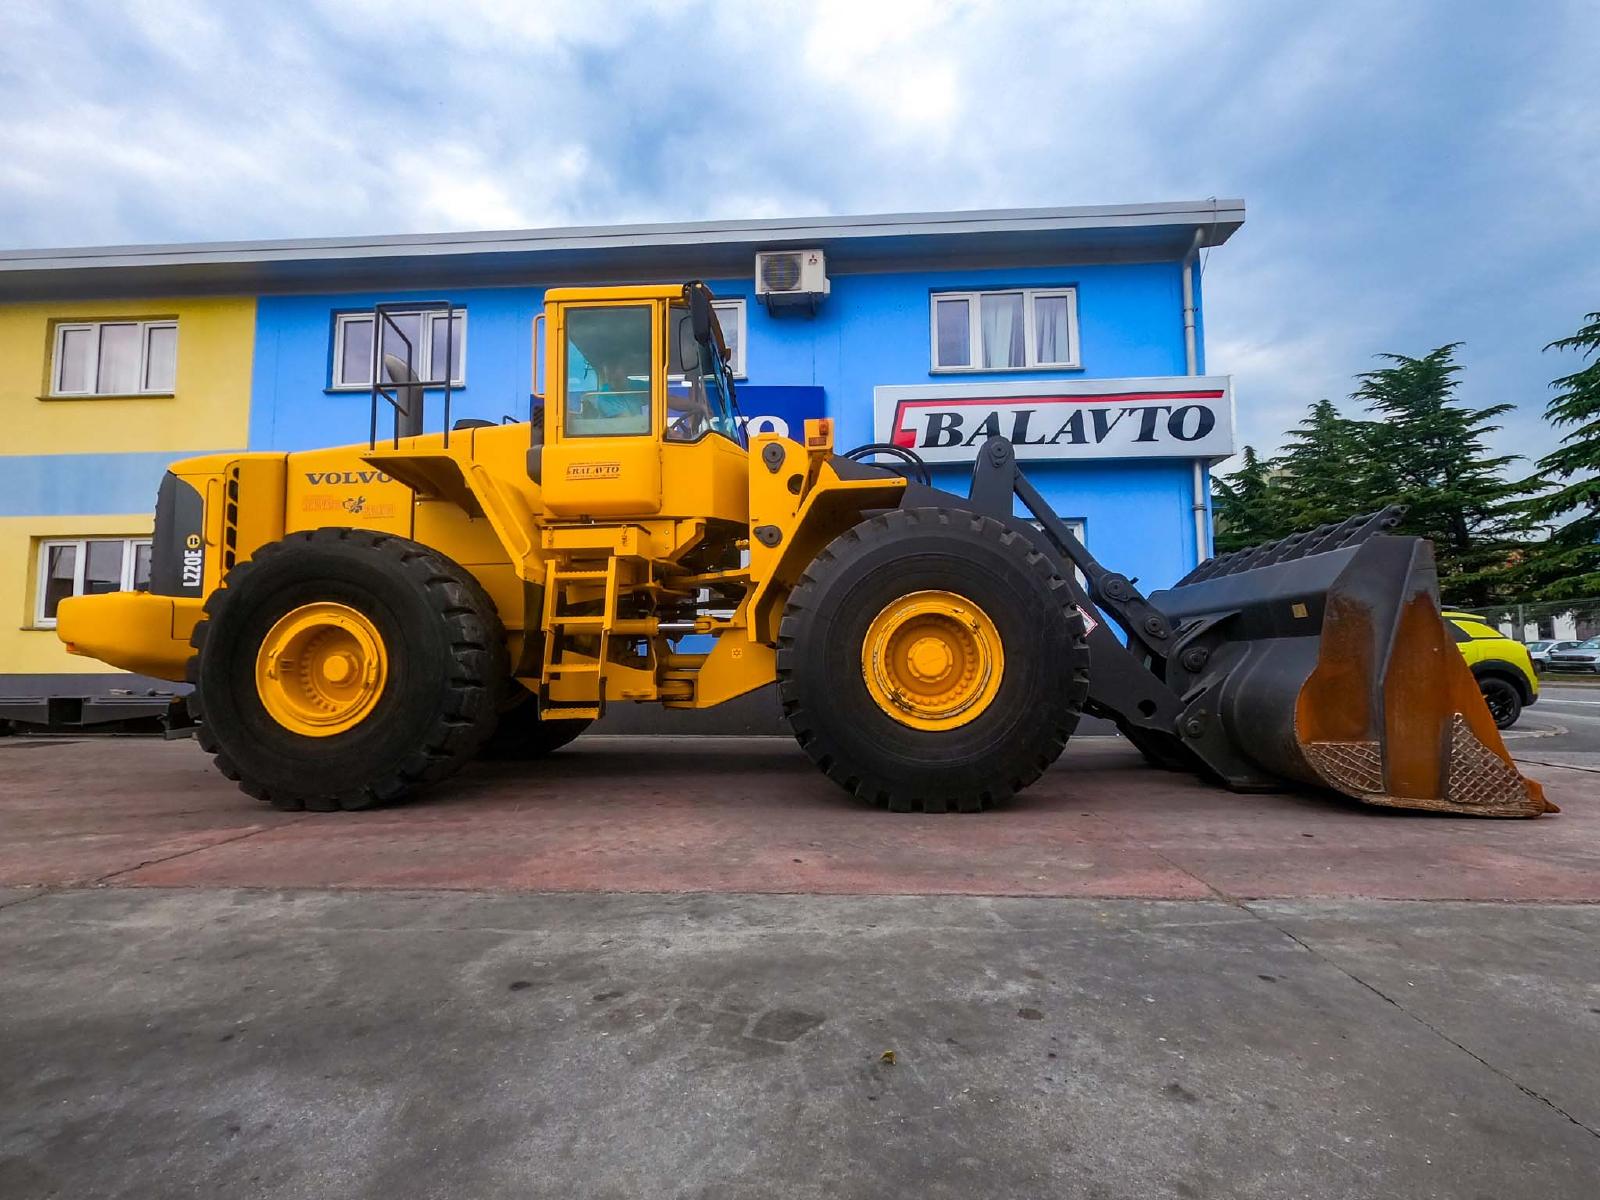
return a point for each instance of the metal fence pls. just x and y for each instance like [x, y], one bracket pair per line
[1546, 619]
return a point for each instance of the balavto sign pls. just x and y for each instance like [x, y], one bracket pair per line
[1182, 416]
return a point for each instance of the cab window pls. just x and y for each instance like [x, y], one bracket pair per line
[700, 395]
[609, 371]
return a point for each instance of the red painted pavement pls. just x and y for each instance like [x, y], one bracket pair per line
[752, 815]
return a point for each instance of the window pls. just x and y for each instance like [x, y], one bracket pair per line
[730, 316]
[608, 371]
[114, 358]
[426, 331]
[700, 400]
[88, 567]
[1014, 330]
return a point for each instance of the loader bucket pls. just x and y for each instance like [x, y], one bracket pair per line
[1334, 668]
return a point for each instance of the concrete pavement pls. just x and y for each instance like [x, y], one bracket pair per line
[405, 1045]
[1563, 727]
[565, 984]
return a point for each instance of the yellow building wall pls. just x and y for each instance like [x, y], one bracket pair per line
[208, 410]
[25, 649]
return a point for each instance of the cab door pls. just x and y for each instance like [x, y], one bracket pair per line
[607, 390]
[704, 461]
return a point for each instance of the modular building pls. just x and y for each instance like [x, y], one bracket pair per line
[1076, 332]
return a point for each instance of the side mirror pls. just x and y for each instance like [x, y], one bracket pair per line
[688, 347]
[700, 311]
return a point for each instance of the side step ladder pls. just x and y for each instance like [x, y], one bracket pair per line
[564, 660]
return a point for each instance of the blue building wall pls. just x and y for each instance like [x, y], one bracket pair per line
[873, 329]
[81, 485]
[292, 406]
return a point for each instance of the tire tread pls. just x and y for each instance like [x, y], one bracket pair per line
[478, 655]
[888, 793]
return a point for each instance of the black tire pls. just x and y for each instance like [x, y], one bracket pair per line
[871, 754]
[447, 670]
[521, 735]
[1503, 699]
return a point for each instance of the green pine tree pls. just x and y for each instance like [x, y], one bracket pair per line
[1567, 566]
[1246, 505]
[1325, 469]
[1428, 452]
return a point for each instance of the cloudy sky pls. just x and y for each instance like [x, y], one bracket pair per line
[1415, 173]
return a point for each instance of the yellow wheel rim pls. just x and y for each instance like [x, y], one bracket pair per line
[932, 660]
[320, 669]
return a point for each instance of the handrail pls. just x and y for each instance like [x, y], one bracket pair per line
[535, 396]
[383, 320]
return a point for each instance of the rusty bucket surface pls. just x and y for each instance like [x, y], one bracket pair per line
[1335, 669]
[1391, 714]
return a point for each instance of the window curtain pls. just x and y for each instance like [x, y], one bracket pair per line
[1050, 319]
[161, 358]
[1001, 319]
[75, 372]
[119, 359]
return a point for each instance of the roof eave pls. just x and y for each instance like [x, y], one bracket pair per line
[854, 244]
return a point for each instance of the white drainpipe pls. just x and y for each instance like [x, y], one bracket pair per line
[1191, 367]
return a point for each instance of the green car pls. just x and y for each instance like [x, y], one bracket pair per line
[1501, 665]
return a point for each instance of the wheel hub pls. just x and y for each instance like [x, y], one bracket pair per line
[320, 669]
[932, 660]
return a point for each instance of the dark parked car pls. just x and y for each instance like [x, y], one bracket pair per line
[1582, 658]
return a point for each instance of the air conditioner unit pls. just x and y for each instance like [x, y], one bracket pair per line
[791, 279]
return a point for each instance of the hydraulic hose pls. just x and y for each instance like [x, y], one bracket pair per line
[911, 458]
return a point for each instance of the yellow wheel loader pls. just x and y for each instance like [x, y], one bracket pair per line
[361, 621]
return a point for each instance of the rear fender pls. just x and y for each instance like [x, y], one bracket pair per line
[799, 502]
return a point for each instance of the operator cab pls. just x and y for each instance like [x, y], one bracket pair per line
[610, 377]
[646, 422]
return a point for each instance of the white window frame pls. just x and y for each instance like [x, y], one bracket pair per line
[93, 328]
[737, 306]
[741, 330]
[1029, 329]
[1079, 528]
[80, 563]
[424, 368]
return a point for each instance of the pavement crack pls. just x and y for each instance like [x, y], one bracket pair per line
[1216, 892]
[1533, 1093]
[166, 858]
[1244, 906]
[39, 894]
